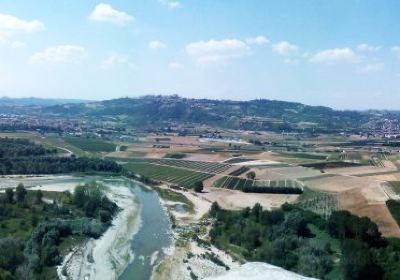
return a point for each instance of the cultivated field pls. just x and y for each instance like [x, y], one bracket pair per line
[174, 175]
[202, 166]
[90, 145]
[248, 185]
[318, 202]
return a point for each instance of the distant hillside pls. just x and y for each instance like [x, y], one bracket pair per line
[260, 114]
[33, 101]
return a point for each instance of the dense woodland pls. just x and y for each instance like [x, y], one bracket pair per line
[33, 233]
[57, 165]
[21, 156]
[13, 147]
[342, 247]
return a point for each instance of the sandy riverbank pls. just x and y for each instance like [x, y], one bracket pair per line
[106, 257]
[187, 257]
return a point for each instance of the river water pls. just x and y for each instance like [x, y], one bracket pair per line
[153, 236]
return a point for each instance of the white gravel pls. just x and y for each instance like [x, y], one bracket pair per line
[259, 271]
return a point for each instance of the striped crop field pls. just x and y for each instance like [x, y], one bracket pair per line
[199, 166]
[259, 186]
[174, 175]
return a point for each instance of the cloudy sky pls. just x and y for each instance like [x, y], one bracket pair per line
[342, 53]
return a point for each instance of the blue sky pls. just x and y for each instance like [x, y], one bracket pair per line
[343, 53]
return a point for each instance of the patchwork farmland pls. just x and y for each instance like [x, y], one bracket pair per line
[259, 186]
[201, 166]
[174, 175]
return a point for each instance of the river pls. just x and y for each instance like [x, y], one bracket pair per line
[153, 237]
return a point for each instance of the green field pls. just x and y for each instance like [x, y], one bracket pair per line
[49, 142]
[322, 238]
[175, 197]
[90, 145]
[236, 183]
[179, 176]
[199, 166]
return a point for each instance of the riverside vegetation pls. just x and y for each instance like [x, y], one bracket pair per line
[342, 247]
[34, 234]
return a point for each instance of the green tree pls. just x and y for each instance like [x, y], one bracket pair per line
[38, 197]
[9, 195]
[79, 196]
[198, 187]
[251, 175]
[215, 209]
[21, 193]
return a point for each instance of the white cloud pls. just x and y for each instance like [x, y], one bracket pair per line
[368, 48]
[115, 59]
[12, 23]
[3, 39]
[17, 44]
[372, 67]
[259, 40]
[10, 26]
[211, 51]
[171, 3]
[60, 54]
[105, 13]
[330, 56]
[175, 66]
[291, 61]
[285, 48]
[396, 51]
[156, 45]
[7, 41]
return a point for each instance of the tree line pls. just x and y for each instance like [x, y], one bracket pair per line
[283, 237]
[56, 165]
[36, 247]
[14, 147]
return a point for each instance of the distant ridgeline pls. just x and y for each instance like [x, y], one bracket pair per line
[257, 114]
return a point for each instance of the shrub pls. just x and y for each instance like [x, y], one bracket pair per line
[198, 187]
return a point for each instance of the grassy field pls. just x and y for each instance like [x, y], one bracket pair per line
[175, 197]
[90, 145]
[49, 142]
[322, 238]
[62, 145]
[179, 176]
